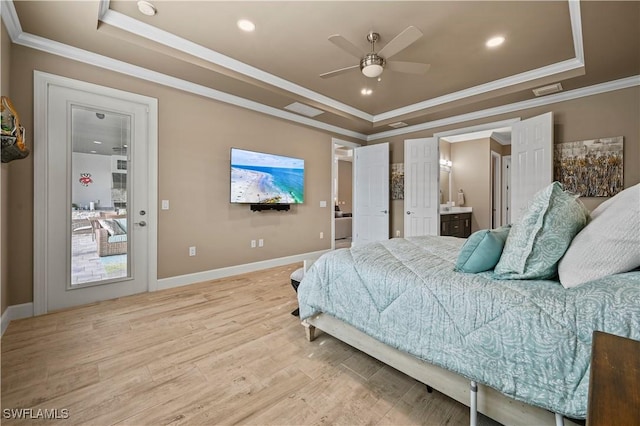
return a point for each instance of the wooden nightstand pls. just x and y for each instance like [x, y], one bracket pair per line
[614, 384]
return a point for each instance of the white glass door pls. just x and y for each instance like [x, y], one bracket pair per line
[97, 197]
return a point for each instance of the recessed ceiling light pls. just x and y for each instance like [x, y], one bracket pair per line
[93, 152]
[495, 41]
[146, 8]
[366, 92]
[97, 142]
[246, 25]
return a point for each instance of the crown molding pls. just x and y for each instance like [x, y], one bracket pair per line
[513, 80]
[80, 55]
[596, 89]
[150, 32]
[134, 26]
[10, 18]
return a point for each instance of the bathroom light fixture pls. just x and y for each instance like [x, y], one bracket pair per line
[445, 164]
[366, 92]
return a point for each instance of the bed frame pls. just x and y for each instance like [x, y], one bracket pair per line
[479, 398]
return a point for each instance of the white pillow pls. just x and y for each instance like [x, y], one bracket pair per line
[609, 244]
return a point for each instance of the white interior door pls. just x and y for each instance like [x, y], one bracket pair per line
[421, 185]
[371, 194]
[96, 155]
[531, 160]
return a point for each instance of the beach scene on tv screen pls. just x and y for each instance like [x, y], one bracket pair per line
[260, 178]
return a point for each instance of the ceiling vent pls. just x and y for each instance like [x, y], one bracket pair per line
[398, 124]
[547, 90]
[303, 109]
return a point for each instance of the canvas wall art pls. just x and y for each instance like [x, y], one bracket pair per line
[591, 168]
[397, 181]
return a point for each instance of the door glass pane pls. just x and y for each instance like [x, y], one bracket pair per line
[99, 196]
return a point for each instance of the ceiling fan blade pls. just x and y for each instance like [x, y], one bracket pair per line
[338, 72]
[400, 42]
[346, 45]
[408, 67]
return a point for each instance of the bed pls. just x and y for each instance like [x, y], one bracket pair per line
[525, 342]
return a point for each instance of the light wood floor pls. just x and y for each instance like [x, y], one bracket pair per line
[221, 352]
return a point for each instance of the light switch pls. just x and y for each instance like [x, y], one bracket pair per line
[323, 204]
[165, 204]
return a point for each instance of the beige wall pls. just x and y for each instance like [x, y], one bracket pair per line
[5, 59]
[345, 185]
[614, 113]
[193, 170]
[195, 137]
[471, 172]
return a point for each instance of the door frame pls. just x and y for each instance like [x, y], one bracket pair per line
[506, 190]
[41, 83]
[496, 189]
[334, 172]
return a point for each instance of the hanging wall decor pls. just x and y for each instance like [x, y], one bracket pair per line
[12, 133]
[591, 168]
[397, 181]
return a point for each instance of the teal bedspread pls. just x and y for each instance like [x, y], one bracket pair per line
[530, 340]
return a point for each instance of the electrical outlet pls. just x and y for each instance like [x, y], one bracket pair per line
[253, 243]
[321, 235]
[260, 242]
[192, 251]
[397, 232]
[165, 204]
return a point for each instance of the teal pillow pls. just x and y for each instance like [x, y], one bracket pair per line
[481, 252]
[540, 238]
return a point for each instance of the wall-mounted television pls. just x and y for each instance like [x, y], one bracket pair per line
[260, 178]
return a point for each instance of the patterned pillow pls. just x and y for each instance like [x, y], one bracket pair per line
[111, 226]
[481, 252]
[538, 241]
[609, 244]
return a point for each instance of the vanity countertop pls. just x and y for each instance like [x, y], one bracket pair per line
[455, 210]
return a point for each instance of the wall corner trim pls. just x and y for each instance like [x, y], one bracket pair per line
[15, 312]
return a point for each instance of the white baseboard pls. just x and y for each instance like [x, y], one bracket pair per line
[15, 312]
[25, 310]
[181, 280]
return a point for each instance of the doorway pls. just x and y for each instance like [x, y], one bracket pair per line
[479, 181]
[95, 185]
[342, 193]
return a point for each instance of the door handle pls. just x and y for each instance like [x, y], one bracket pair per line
[408, 212]
[141, 223]
[383, 211]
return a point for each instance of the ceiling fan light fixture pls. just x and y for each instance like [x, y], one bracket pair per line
[372, 65]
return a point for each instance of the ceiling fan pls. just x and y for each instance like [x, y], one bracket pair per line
[372, 64]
